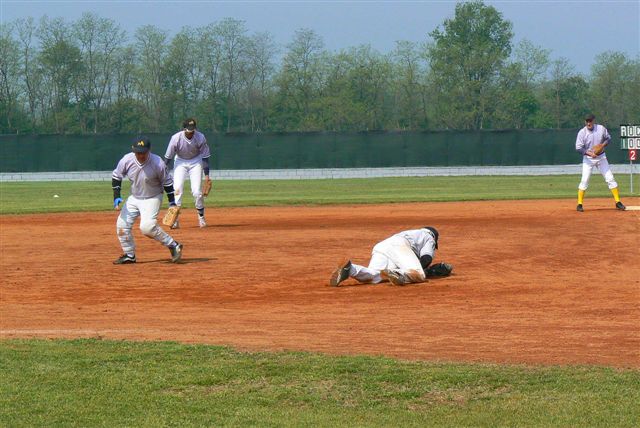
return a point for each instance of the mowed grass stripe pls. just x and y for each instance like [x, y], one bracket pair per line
[38, 197]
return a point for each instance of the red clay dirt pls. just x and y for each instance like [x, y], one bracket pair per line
[534, 282]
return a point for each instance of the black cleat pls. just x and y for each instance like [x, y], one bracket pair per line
[579, 208]
[176, 252]
[340, 274]
[620, 206]
[125, 259]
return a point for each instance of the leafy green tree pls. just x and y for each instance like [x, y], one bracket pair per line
[99, 40]
[257, 77]
[233, 38]
[151, 53]
[211, 60]
[410, 98]
[9, 81]
[31, 72]
[517, 103]
[534, 62]
[564, 96]
[181, 75]
[299, 81]
[614, 89]
[466, 59]
[62, 67]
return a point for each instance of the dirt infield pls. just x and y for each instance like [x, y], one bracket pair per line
[534, 282]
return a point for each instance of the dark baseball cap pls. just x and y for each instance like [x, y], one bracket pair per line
[141, 144]
[590, 117]
[189, 124]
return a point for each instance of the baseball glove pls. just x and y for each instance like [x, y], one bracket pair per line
[206, 188]
[171, 216]
[598, 149]
[439, 269]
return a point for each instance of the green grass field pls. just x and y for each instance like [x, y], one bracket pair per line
[119, 383]
[111, 383]
[34, 197]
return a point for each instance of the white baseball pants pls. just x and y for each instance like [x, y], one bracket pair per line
[392, 253]
[147, 210]
[193, 169]
[602, 164]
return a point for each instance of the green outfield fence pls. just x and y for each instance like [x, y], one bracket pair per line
[238, 151]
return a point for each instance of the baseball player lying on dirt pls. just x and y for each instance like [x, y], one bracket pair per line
[403, 258]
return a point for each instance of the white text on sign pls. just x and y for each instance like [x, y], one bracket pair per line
[631, 143]
[629, 131]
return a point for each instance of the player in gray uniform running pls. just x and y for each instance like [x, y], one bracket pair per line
[588, 137]
[191, 152]
[148, 175]
[403, 258]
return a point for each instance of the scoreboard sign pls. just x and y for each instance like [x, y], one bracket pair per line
[630, 137]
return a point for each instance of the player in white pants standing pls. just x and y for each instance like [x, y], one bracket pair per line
[403, 258]
[191, 152]
[588, 137]
[149, 176]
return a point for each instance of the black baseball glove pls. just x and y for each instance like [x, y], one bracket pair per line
[439, 269]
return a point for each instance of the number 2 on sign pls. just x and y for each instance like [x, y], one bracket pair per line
[633, 155]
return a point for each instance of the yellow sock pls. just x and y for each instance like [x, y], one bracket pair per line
[580, 196]
[616, 194]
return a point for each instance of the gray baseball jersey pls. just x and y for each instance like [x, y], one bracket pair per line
[186, 149]
[147, 179]
[587, 139]
[421, 241]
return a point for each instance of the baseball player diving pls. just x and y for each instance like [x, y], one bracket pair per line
[403, 258]
[149, 176]
[191, 152]
[591, 143]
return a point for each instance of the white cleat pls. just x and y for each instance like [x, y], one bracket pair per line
[201, 221]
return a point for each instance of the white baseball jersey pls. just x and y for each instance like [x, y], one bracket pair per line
[421, 241]
[586, 139]
[185, 149]
[147, 179]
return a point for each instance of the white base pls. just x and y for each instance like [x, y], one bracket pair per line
[633, 208]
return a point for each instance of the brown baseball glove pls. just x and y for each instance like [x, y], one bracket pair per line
[206, 188]
[598, 149]
[171, 216]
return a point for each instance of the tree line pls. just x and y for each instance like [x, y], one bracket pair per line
[90, 76]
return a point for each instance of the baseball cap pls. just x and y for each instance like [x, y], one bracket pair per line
[589, 117]
[189, 124]
[141, 145]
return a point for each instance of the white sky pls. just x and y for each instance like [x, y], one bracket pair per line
[576, 30]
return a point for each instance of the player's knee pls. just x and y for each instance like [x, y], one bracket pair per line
[124, 232]
[197, 195]
[148, 227]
